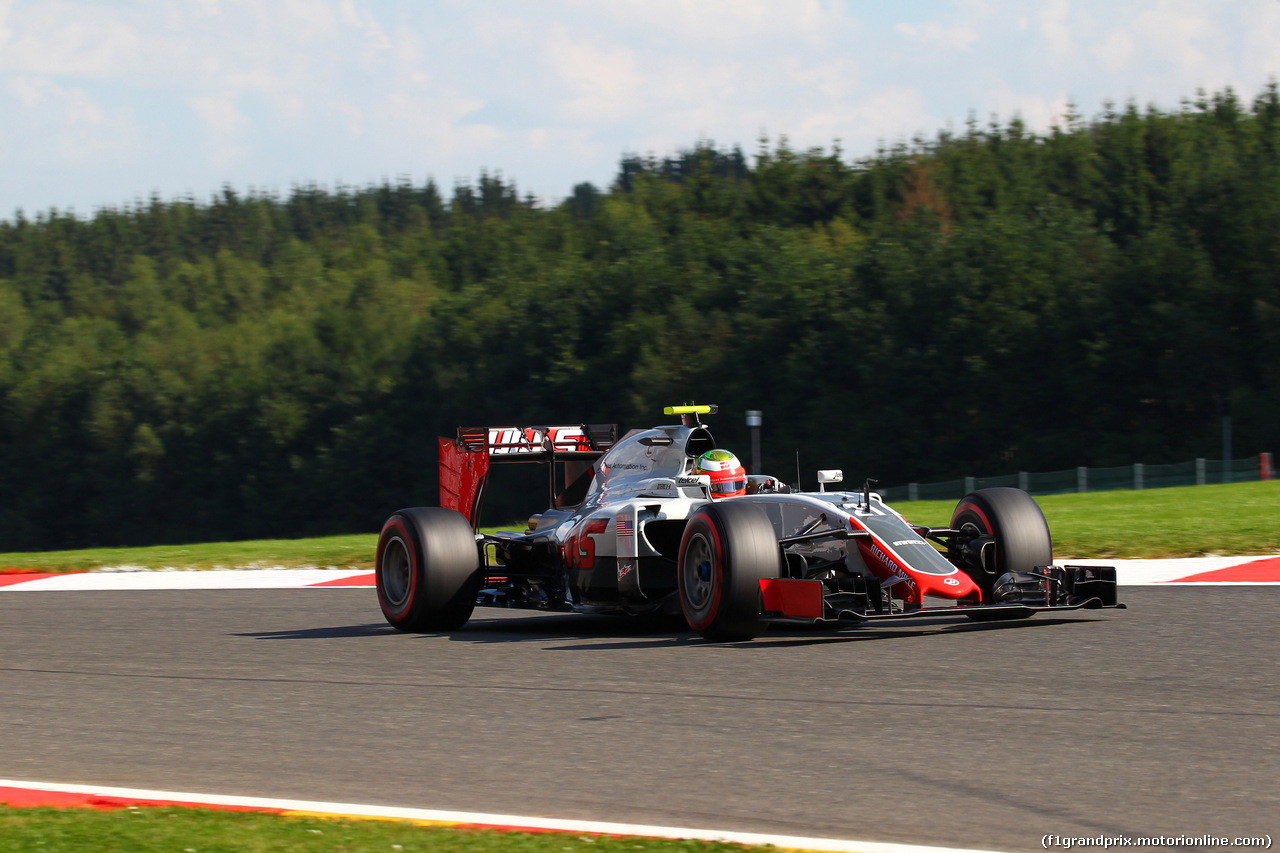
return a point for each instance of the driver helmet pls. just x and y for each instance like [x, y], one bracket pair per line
[728, 477]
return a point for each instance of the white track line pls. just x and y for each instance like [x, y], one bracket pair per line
[793, 842]
[1129, 573]
[1164, 571]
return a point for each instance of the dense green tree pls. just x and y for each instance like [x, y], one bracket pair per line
[987, 301]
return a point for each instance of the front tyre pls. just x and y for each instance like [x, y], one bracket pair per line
[427, 570]
[1022, 541]
[725, 551]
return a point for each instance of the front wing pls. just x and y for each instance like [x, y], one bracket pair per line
[1065, 588]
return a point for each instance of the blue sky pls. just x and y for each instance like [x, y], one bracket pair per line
[102, 103]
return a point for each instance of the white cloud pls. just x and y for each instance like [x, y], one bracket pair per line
[227, 128]
[352, 118]
[206, 8]
[834, 79]
[959, 37]
[57, 38]
[1038, 111]
[1261, 24]
[5, 32]
[314, 18]
[1115, 51]
[103, 100]
[1168, 49]
[30, 91]
[711, 24]
[571, 141]
[219, 113]
[1172, 36]
[891, 114]
[72, 105]
[61, 125]
[435, 121]
[1056, 28]
[376, 40]
[605, 80]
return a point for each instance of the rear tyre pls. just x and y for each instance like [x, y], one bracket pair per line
[427, 570]
[1022, 541]
[726, 549]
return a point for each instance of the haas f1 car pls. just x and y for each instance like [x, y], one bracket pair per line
[639, 526]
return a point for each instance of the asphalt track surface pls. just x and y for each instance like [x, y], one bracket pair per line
[1159, 720]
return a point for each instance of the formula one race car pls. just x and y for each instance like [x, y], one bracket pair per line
[664, 521]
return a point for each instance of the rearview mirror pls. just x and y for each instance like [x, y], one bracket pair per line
[831, 475]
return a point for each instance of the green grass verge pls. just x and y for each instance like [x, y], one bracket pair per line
[1190, 521]
[1240, 518]
[192, 830]
[349, 551]
[354, 550]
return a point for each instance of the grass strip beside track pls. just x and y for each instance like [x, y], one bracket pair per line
[1188, 521]
[347, 551]
[195, 830]
[1191, 521]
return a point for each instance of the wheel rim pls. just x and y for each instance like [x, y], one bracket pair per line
[973, 529]
[397, 572]
[698, 578]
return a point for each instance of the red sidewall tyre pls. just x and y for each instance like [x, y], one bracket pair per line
[398, 600]
[1015, 521]
[726, 549]
[701, 612]
[427, 569]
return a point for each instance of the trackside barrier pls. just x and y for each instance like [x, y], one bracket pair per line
[1197, 472]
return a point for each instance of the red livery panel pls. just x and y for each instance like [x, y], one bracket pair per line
[791, 597]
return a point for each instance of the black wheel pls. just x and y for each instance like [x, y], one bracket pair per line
[428, 569]
[725, 551]
[1022, 541]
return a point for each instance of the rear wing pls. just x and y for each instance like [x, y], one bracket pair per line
[465, 459]
[537, 443]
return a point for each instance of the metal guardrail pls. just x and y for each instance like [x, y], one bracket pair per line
[1197, 472]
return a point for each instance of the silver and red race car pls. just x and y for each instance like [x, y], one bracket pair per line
[630, 527]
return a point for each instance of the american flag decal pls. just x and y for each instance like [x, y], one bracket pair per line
[626, 527]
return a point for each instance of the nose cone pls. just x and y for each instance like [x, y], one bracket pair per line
[954, 586]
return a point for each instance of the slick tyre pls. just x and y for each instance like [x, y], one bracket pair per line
[726, 549]
[1021, 535]
[427, 570]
